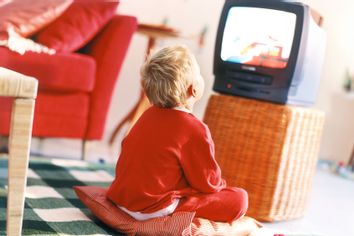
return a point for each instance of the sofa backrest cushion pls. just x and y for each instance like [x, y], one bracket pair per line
[77, 25]
[26, 17]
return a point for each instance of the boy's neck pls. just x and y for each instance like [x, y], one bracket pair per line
[182, 108]
[188, 107]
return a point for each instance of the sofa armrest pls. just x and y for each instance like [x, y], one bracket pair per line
[58, 72]
[108, 48]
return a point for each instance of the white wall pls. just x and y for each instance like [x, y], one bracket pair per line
[190, 16]
[338, 139]
[187, 16]
[338, 19]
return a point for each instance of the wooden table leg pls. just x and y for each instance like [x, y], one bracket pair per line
[19, 147]
[131, 117]
[351, 161]
[139, 107]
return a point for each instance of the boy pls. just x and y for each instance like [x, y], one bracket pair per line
[167, 160]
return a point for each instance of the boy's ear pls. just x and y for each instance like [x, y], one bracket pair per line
[192, 91]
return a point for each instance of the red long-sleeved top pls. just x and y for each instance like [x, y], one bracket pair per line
[168, 154]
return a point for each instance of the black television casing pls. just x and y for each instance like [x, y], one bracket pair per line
[270, 84]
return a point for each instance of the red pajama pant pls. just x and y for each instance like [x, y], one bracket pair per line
[227, 205]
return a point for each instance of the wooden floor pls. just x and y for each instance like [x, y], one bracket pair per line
[331, 209]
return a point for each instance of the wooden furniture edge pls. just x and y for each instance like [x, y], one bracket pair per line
[13, 84]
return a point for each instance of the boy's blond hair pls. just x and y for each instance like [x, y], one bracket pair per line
[166, 76]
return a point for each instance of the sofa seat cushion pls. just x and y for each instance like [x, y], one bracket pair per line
[69, 72]
[5, 115]
[56, 115]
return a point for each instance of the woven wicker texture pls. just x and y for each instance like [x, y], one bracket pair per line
[268, 149]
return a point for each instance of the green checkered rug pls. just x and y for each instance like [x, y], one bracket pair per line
[52, 207]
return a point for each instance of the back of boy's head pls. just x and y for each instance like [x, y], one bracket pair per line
[166, 76]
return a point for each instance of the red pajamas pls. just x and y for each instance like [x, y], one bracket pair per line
[227, 205]
[169, 155]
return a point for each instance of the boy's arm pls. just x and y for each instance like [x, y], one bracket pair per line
[199, 164]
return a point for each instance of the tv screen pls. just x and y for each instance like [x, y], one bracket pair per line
[258, 37]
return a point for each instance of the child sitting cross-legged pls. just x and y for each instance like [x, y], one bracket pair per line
[167, 161]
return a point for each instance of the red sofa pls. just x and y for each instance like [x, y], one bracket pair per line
[75, 89]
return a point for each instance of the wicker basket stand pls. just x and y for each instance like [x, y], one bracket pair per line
[268, 149]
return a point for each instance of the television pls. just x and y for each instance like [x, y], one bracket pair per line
[270, 50]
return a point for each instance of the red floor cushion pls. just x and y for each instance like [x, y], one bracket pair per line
[179, 223]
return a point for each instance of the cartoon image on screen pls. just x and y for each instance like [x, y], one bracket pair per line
[258, 36]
